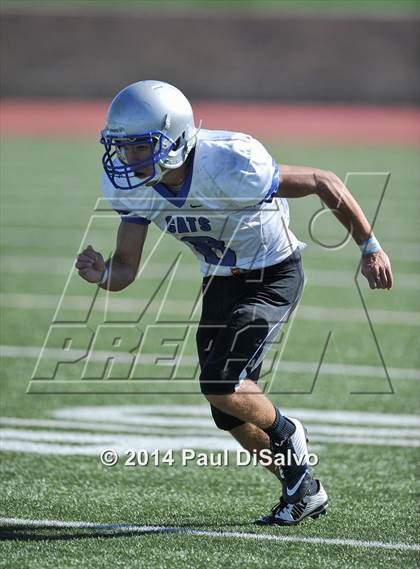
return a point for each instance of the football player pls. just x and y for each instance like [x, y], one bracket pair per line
[224, 196]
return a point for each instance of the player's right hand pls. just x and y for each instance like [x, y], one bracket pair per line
[90, 265]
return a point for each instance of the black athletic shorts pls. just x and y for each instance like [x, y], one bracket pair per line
[241, 316]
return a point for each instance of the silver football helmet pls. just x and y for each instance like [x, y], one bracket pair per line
[150, 112]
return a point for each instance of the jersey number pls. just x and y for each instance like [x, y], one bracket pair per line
[213, 250]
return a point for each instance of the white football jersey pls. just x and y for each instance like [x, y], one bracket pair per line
[224, 211]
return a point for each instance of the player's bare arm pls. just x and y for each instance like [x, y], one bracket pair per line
[299, 181]
[121, 269]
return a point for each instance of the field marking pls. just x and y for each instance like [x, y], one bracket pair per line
[317, 277]
[120, 442]
[325, 431]
[17, 523]
[153, 359]
[126, 417]
[24, 236]
[25, 301]
[20, 440]
[203, 427]
[121, 427]
[127, 414]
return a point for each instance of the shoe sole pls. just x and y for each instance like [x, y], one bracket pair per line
[320, 511]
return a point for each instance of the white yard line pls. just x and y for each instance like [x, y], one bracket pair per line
[129, 305]
[152, 359]
[21, 523]
[82, 448]
[125, 417]
[127, 414]
[388, 317]
[121, 442]
[12, 439]
[89, 429]
[188, 272]
[204, 427]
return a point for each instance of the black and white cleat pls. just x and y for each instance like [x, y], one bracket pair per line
[291, 457]
[284, 514]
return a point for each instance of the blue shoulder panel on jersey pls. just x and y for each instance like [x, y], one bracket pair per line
[178, 198]
[274, 184]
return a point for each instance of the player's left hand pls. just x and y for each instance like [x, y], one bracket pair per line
[376, 267]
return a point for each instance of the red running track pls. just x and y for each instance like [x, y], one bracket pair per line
[338, 124]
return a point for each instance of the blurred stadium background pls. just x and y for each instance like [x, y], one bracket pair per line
[322, 83]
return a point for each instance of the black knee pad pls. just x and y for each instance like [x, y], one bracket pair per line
[224, 421]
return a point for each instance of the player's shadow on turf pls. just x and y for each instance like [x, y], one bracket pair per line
[29, 533]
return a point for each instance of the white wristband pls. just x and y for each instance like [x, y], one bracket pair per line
[369, 246]
[104, 276]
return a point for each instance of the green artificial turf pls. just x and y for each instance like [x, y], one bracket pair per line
[47, 204]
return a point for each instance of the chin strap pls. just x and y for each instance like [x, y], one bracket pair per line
[159, 174]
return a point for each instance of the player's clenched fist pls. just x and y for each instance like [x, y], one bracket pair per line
[91, 265]
[377, 269]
